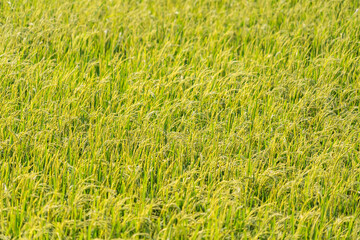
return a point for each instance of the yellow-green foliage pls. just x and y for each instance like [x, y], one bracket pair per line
[169, 119]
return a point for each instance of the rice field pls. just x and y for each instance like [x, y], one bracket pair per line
[169, 119]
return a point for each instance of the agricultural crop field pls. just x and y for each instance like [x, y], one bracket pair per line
[179, 119]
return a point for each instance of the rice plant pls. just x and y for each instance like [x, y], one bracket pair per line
[169, 119]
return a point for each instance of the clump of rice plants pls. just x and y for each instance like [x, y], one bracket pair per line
[169, 119]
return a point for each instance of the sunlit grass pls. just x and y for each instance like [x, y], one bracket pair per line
[179, 119]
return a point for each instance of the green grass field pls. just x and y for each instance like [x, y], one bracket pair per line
[169, 119]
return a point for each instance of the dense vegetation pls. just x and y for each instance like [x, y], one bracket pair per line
[196, 119]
